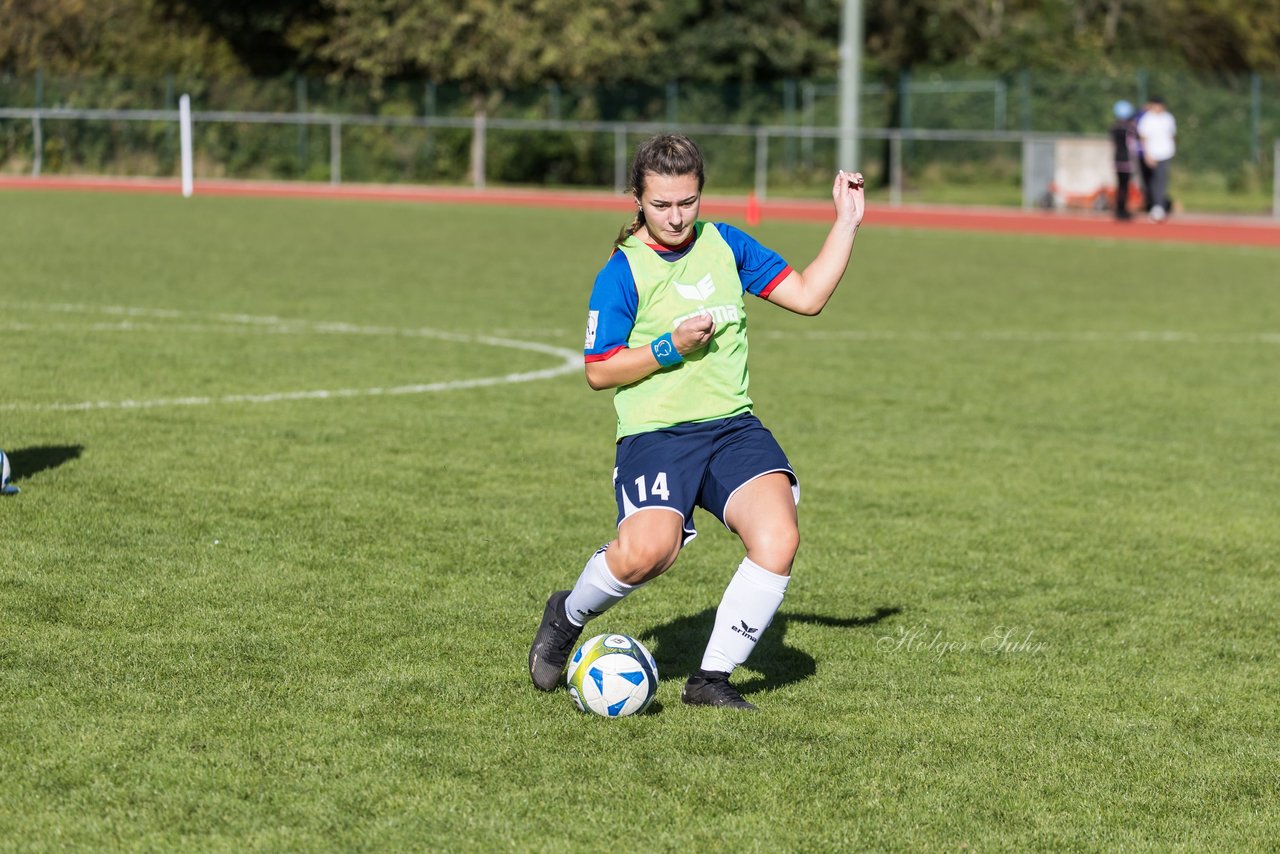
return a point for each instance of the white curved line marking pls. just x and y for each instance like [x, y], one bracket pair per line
[569, 360]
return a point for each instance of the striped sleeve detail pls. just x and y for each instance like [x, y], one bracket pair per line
[608, 354]
[777, 280]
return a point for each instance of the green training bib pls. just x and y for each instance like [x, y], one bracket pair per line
[711, 382]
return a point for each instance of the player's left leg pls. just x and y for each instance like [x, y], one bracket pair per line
[755, 496]
[763, 513]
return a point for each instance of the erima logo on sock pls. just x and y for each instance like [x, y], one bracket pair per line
[587, 613]
[698, 292]
[746, 631]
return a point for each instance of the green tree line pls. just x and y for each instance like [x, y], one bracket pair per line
[486, 46]
[1057, 65]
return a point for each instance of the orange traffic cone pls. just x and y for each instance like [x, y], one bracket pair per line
[753, 209]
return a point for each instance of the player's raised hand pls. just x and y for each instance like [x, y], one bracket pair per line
[847, 192]
[693, 333]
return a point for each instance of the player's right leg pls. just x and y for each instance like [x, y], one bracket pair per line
[655, 483]
[553, 643]
[647, 545]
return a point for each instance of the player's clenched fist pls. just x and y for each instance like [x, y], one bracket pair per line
[694, 333]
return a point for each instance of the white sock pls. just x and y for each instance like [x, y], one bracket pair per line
[596, 591]
[748, 606]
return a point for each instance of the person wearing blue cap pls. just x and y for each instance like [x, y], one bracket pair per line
[6, 488]
[1124, 136]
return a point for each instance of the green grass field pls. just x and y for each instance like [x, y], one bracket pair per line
[1034, 607]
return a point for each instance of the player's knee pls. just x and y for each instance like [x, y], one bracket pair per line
[639, 560]
[775, 548]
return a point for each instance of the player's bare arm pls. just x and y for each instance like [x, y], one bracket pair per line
[808, 291]
[632, 365]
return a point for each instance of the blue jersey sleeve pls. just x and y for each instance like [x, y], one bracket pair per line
[611, 312]
[760, 268]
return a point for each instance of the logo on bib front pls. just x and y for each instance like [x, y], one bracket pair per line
[719, 313]
[698, 292]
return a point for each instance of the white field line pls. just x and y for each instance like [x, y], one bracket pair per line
[251, 324]
[569, 360]
[136, 319]
[232, 329]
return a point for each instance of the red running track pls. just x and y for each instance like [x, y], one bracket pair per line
[1236, 231]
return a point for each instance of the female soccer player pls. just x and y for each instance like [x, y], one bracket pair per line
[666, 328]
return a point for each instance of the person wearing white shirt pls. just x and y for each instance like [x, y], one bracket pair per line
[1158, 130]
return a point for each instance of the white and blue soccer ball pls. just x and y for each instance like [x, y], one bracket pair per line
[612, 676]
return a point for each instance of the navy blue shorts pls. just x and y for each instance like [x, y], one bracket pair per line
[701, 464]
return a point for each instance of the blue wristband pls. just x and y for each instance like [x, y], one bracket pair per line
[664, 350]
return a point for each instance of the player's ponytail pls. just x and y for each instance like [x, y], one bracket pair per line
[631, 227]
[671, 154]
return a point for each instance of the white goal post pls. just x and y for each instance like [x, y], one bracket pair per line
[184, 135]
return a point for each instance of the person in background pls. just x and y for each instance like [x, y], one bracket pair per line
[1140, 159]
[1124, 137]
[1158, 130]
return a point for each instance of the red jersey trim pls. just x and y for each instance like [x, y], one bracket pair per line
[777, 280]
[659, 248]
[600, 357]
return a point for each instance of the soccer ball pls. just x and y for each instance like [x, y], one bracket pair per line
[612, 676]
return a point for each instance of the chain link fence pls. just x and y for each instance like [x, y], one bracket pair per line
[944, 134]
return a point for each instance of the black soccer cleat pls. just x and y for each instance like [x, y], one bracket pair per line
[552, 644]
[712, 688]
